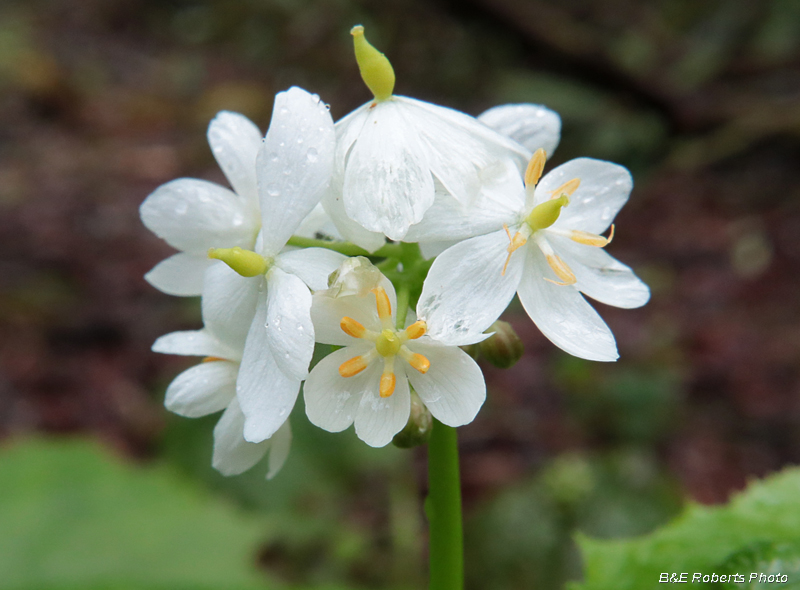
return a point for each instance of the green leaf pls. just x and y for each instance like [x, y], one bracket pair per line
[74, 516]
[763, 523]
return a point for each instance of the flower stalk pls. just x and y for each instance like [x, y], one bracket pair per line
[443, 508]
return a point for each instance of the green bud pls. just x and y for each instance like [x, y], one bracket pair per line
[418, 429]
[376, 71]
[246, 262]
[503, 348]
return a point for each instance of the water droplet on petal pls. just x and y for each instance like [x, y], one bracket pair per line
[312, 155]
[181, 208]
[273, 157]
[273, 190]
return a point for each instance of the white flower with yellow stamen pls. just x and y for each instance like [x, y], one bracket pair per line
[394, 151]
[367, 382]
[549, 251]
[210, 387]
[263, 295]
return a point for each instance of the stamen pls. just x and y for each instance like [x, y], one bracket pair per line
[416, 330]
[383, 303]
[388, 381]
[420, 363]
[584, 237]
[517, 242]
[562, 271]
[567, 188]
[211, 359]
[352, 328]
[535, 167]
[354, 366]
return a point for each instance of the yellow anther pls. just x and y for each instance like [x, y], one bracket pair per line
[352, 328]
[535, 167]
[353, 367]
[584, 237]
[419, 362]
[567, 188]
[383, 303]
[562, 271]
[416, 330]
[246, 262]
[545, 214]
[211, 359]
[376, 71]
[388, 382]
[388, 343]
[517, 242]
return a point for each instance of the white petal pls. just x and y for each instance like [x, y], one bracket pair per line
[265, 393]
[232, 453]
[604, 189]
[204, 389]
[387, 182]
[453, 389]
[318, 224]
[180, 274]
[349, 229]
[229, 302]
[281, 442]
[234, 141]
[294, 164]
[465, 291]
[290, 332]
[458, 146]
[312, 265]
[562, 314]
[532, 125]
[501, 200]
[600, 275]
[332, 400]
[195, 343]
[378, 418]
[195, 215]
[327, 313]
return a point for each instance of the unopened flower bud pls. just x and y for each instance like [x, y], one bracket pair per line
[418, 429]
[356, 276]
[503, 348]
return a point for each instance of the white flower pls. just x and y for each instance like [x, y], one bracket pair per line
[367, 382]
[390, 152]
[210, 387]
[194, 215]
[264, 295]
[549, 252]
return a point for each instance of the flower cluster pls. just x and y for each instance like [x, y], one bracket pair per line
[399, 234]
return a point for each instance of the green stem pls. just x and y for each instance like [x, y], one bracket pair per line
[345, 248]
[443, 508]
[402, 305]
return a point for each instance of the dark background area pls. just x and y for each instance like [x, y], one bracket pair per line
[102, 101]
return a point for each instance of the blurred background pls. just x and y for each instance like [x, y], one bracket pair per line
[101, 101]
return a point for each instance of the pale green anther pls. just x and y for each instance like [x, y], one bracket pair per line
[246, 262]
[376, 71]
[388, 343]
[545, 214]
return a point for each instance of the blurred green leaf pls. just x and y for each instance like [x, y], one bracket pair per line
[74, 516]
[705, 539]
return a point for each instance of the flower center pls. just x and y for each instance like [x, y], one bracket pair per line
[389, 343]
[544, 215]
